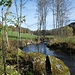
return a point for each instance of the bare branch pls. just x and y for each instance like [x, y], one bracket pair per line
[25, 2]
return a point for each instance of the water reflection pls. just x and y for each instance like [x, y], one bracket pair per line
[68, 59]
[38, 48]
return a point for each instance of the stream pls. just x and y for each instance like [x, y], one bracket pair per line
[68, 59]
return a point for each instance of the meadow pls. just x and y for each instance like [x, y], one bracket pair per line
[14, 35]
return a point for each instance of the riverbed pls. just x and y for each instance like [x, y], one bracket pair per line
[68, 59]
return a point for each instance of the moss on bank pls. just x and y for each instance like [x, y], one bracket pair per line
[58, 67]
[39, 65]
[38, 60]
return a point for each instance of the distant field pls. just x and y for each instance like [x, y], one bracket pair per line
[14, 35]
[23, 35]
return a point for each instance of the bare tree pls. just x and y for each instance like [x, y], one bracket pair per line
[40, 14]
[60, 11]
[42, 7]
[17, 25]
[19, 16]
[52, 7]
[20, 19]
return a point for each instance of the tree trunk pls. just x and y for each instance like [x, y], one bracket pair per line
[7, 39]
[3, 50]
[18, 34]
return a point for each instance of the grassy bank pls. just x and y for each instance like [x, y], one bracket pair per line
[64, 39]
[66, 44]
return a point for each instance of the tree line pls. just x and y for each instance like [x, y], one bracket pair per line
[60, 10]
[68, 31]
[13, 29]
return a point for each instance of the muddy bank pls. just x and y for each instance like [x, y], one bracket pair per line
[62, 46]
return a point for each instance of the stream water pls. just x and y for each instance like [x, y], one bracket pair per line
[68, 59]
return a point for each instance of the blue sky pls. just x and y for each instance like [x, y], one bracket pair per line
[31, 15]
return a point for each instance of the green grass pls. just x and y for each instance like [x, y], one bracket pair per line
[14, 35]
[50, 37]
[23, 35]
[65, 39]
[69, 40]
